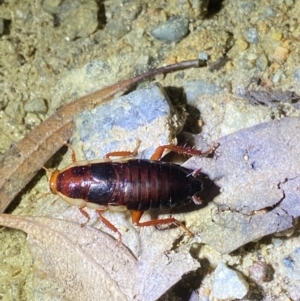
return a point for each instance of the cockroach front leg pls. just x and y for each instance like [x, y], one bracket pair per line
[136, 216]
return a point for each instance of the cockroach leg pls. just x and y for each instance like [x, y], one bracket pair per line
[196, 172]
[129, 184]
[108, 224]
[74, 159]
[124, 153]
[85, 214]
[196, 200]
[175, 148]
[136, 216]
[105, 221]
[210, 150]
[181, 150]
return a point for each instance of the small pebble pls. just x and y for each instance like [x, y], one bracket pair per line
[242, 44]
[53, 3]
[201, 6]
[262, 62]
[252, 57]
[245, 64]
[52, 6]
[252, 36]
[262, 27]
[290, 265]
[194, 296]
[79, 20]
[36, 105]
[276, 76]
[1, 26]
[289, 2]
[280, 54]
[260, 271]
[117, 28]
[277, 242]
[276, 36]
[229, 284]
[32, 120]
[296, 74]
[203, 56]
[247, 7]
[193, 89]
[270, 12]
[173, 30]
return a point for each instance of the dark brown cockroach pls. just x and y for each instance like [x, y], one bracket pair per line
[135, 184]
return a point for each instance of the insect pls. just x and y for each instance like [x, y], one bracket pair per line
[133, 184]
[42, 143]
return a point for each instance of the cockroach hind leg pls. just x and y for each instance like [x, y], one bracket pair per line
[136, 215]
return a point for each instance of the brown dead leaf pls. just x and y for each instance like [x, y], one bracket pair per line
[89, 265]
[258, 172]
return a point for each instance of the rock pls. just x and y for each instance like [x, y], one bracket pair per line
[260, 271]
[251, 35]
[1, 26]
[262, 62]
[290, 265]
[296, 74]
[280, 54]
[144, 115]
[229, 284]
[36, 105]
[194, 89]
[173, 30]
[78, 20]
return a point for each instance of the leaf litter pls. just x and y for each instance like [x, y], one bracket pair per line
[258, 174]
[89, 264]
[256, 170]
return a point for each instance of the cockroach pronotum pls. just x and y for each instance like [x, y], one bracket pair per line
[135, 184]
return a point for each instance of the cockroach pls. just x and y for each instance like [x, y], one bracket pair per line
[16, 169]
[134, 184]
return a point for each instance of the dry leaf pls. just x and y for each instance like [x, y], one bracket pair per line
[90, 265]
[258, 172]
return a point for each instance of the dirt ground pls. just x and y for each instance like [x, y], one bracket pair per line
[52, 52]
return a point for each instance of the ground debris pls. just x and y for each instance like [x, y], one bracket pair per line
[72, 259]
[258, 175]
[268, 97]
[229, 284]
